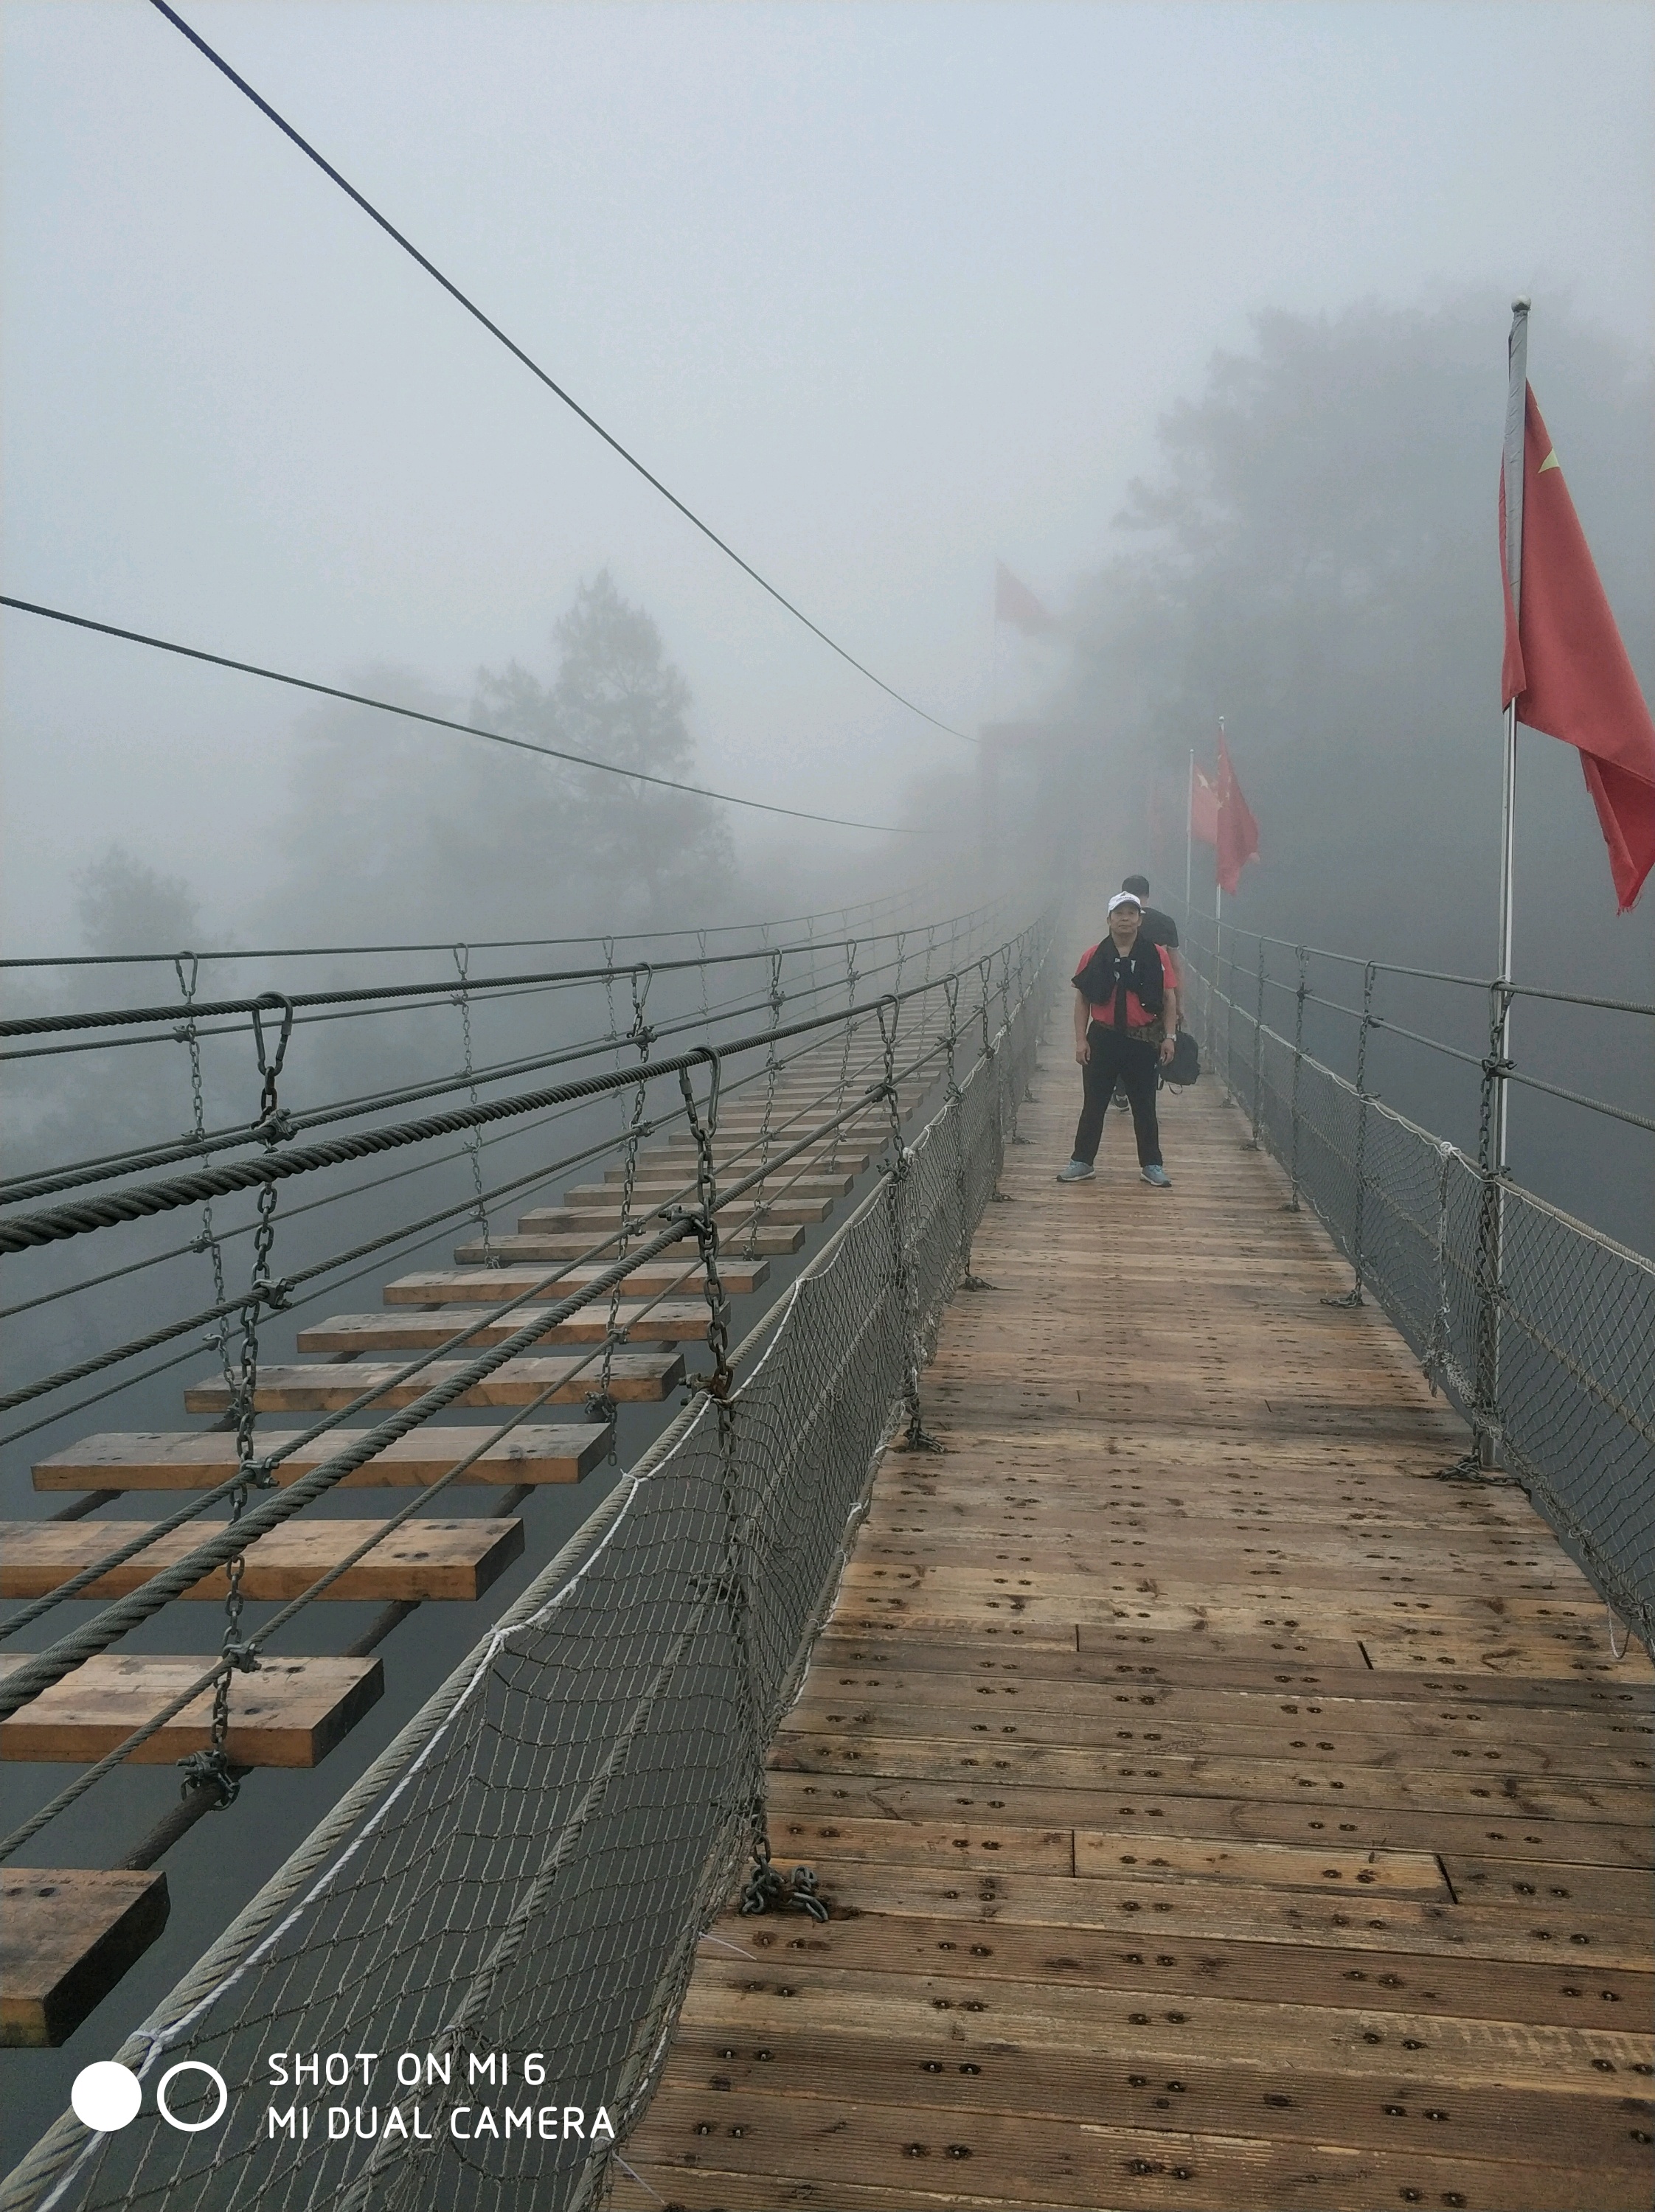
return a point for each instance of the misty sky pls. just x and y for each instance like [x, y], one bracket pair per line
[884, 291]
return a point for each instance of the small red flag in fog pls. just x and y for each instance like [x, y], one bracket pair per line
[1237, 832]
[1015, 603]
[1564, 664]
[1203, 807]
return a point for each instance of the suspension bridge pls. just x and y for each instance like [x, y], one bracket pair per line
[1067, 1697]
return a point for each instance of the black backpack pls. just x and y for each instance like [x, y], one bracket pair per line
[1182, 1070]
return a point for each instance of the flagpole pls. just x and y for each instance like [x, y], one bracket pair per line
[1496, 1092]
[1516, 422]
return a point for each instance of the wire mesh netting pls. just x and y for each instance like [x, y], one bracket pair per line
[479, 1955]
[1538, 1327]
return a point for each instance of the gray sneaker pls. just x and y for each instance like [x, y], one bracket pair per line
[1158, 1176]
[1077, 1171]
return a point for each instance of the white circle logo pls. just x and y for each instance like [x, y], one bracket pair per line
[106, 2097]
[190, 2066]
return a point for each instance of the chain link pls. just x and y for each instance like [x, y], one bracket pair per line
[211, 1769]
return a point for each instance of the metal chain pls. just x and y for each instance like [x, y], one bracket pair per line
[600, 1403]
[211, 1769]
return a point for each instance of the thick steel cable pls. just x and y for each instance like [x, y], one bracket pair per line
[277, 1294]
[446, 722]
[441, 988]
[198, 1145]
[535, 370]
[523, 1183]
[22, 1232]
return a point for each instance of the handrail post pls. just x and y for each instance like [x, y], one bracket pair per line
[1258, 1050]
[1491, 1222]
[1302, 958]
[1353, 1297]
[1229, 1028]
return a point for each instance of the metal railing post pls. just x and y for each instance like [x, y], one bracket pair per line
[1259, 1051]
[1491, 1222]
[1353, 1297]
[1302, 958]
[1229, 1029]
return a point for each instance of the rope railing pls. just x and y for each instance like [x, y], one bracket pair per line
[1537, 1326]
[528, 1867]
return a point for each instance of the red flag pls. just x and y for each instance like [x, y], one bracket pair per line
[1237, 832]
[1203, 807]
[1015, 603]
[1566, 668]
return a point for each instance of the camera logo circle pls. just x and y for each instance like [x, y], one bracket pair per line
[192, 2066]
[106, 2097]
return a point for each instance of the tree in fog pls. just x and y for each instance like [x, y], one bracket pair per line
[616, 697]
[123, 907]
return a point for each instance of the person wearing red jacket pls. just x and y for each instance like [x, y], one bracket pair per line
[1126, 1016]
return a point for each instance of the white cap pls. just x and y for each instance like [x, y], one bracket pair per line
[1126, 898]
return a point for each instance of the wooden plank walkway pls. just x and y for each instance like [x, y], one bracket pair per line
[1216, 1813]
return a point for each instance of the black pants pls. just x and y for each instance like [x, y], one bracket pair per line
[1115, 1053]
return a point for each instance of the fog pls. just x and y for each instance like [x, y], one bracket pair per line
[884, 293]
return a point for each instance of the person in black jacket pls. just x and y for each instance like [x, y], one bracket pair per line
[1126, 1013]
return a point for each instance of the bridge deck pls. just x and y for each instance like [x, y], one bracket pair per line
[1216, 1813]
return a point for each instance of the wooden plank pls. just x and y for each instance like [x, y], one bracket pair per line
[706, 2144]
[1446, 1789]
[67, 1936]
[595, 1215]
[447, 1286]
[654, 1189]
[422, 1560]
[1582, 1845]
[772, 1242]
[1469, 1729]
[1298, 1740]
[638, 1378]
[291, 1713]
[1599, 1999]
[187, 1459]
[654, 1165]
[1167, 1662]
[670, 1322]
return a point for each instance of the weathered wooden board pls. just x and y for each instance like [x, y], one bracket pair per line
[187, 1459]
[290, 1713]
[675, 1321]
[422, 1560]
[772, 1242]
[598, 1215]
[683, 1278]
[1584, 1846]
[637, 1377]
[67, 1936]
[841, 1171]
